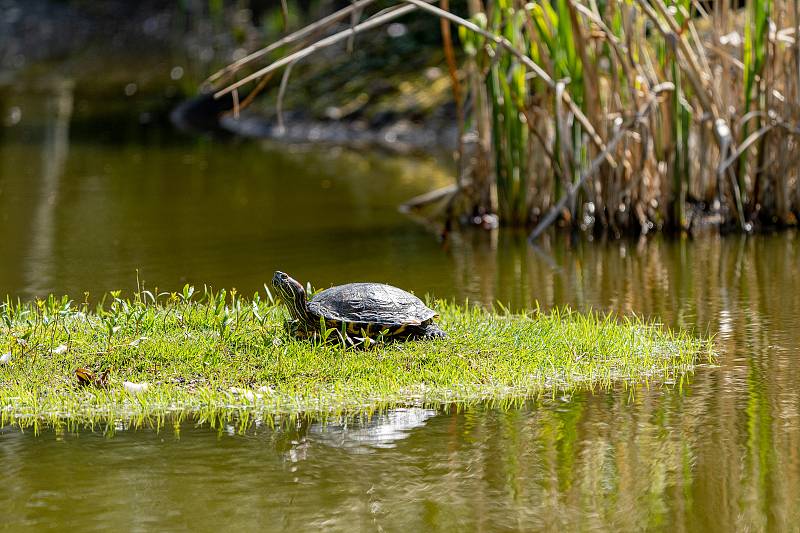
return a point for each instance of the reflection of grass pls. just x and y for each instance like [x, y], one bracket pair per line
[221, 353]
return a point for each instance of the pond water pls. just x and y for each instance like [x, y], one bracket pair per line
[84, 204]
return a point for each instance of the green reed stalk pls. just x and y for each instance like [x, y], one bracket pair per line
[680, 131]
[507, 89]
[754, 54]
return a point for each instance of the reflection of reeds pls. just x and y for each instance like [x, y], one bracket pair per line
[551, 83]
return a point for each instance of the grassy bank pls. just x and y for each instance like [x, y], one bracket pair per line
[218, 352]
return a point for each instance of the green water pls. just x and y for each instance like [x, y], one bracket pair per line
[82, 208]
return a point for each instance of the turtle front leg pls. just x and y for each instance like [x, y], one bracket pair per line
[296, 329]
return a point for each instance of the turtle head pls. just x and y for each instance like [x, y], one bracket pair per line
[292, 293]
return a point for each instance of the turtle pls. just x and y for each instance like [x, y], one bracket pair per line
[357, 311]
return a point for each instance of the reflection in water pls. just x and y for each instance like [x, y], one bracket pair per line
[55, 148]
[379, 431]
[719, 451]
[225, 215]
[610, 461]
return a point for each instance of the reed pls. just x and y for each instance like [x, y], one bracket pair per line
[548, 84]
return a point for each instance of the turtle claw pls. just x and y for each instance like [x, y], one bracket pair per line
[432, 331]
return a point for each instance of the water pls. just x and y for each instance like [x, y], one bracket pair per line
[81, 213]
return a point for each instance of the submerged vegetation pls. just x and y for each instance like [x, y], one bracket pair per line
[622, 115]
[183, 352]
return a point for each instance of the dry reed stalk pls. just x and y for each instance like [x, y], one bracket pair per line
[624, 130]
[736, 100]
[298, 35]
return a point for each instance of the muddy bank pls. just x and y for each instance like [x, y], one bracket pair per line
[389, 90]
[401, 136]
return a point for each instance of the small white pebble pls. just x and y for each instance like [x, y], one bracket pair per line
[5, 358]
[134, 388]
[61, 348]
[246, 394]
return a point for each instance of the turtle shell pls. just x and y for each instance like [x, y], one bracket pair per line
[370, 303]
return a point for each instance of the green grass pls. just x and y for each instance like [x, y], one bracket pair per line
[218, 353]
